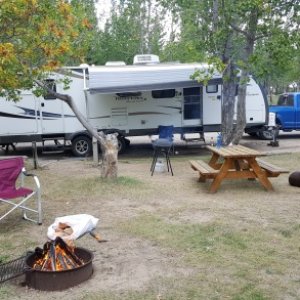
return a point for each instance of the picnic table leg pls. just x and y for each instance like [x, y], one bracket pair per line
[202, 178]
[260, 174]
[214, 159]
[222, 174]
[243, 165]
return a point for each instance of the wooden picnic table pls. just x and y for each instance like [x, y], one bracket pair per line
[235, 162]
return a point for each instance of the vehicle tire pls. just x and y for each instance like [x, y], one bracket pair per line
[127, 141]
[267, 134]
[82, 146]
[254, 134]
[122, 144]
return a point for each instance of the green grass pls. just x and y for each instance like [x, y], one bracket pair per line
[4, 258]
[198, 241]
[243, 257]
[192, 288]
[96, 184]
[250, 292]
[6, 292]
[241, 243]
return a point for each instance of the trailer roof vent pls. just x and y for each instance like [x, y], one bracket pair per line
[115, 63]
[143, 59]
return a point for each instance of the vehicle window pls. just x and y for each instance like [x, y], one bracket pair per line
[290, 100]
[286, 100]
[170, 93]
[80, 70]
[282, 100]
[212, 88]
[52, 86]
[129, 94]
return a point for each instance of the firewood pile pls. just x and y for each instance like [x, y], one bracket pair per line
[73, 227]
[56, 256]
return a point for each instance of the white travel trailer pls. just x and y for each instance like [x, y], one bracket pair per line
[131, 100]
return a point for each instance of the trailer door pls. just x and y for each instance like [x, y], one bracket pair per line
[212, 104]
[192, 106]
[51, 112]
[52, 118]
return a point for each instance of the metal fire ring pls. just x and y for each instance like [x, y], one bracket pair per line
[59, 280]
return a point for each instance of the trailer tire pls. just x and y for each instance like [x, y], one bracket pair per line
[82, 146]
[122, 144]
[254, 134]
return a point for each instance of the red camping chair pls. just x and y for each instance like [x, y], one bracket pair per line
[17, 197]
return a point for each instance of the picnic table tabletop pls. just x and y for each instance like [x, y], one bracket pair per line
[235, 151]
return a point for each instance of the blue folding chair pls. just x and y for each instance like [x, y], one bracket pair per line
[163, 146]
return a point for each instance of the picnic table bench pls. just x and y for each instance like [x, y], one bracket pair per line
[204, 169]
[272, 170]
[235, 162]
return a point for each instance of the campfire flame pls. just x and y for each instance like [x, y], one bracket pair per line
[56, 256]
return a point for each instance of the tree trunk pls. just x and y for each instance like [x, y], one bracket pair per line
[228, 92]
[228, 104]
[109, 143]
[147, 29]
[246, 54]
[215, 15]
[241, 108]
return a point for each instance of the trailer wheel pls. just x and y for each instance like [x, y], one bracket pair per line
[122, 144]
[254, 134]
[82, 146]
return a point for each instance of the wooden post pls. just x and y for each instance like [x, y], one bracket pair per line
[35, 156]
[95, 152]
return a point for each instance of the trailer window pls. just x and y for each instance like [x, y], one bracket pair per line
[129, 94]
[50, 83]
[286, 100]
[212, 88]
[170, 93]
[80, 70]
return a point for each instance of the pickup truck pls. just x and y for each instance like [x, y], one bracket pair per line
[287, 115]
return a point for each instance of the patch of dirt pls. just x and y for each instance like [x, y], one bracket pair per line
[122, 263]
[125, 263]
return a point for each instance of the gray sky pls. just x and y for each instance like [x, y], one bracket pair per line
[103, 9]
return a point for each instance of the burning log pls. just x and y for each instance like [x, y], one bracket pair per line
[53, 256]
[56, 256]
[68, 262]
[62, 261]
[69, 251]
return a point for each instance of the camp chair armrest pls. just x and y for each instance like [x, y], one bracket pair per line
[37, 182]
[28, 174]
